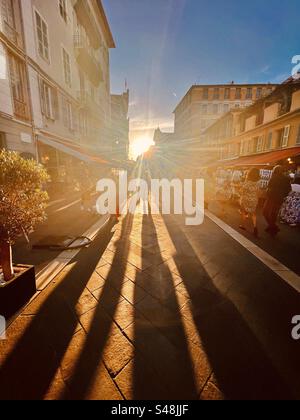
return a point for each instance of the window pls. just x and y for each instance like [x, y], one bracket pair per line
[250, 146]
[17, 79]
[215, 108]
[2, 141]
[49, 101]
[42, 36]
[238, 93]
[216, 93]
[260, 144]
[8, 13]
[9, 24]
[298, 136]
[204, 109]
[285, 136]
[63, 9]
[83, 123]
[249, 93]
[227, 93]
[205, 94]
[68, 115]
[269, 141]
[67, 67]
[258, 93]
[242, 147]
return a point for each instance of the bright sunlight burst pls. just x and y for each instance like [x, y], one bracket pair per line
[140, 146]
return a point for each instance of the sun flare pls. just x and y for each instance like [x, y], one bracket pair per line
[140, 146]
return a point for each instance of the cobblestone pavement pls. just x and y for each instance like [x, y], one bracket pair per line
[156, 310]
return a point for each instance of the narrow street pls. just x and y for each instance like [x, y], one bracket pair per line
[285, 247]
[64, 219]
[156, 310]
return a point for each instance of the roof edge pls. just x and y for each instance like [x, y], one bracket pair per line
[108, 33]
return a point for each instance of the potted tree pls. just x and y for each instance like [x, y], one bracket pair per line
[22, 206]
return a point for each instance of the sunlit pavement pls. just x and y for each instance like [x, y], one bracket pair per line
[64, 218]
[285, 247]
[156, 310]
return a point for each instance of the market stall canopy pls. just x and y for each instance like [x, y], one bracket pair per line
[264, 159]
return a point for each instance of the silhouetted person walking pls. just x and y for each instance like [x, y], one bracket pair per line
[278, 189]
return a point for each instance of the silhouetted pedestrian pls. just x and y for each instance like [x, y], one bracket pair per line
[278, 189]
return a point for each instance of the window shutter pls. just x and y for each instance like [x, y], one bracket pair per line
[75, 118]
[42, 95]
[298, 136]
[65, 112]
[55, 104]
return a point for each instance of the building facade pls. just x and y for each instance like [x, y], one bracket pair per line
[57, 82]
[204, 104]
[16, 128]
[265, 133]
[120, 125]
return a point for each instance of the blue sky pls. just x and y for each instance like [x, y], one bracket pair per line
[165, 46]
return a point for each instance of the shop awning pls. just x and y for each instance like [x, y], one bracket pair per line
[264, 159]
[84, 154]
[72, 150]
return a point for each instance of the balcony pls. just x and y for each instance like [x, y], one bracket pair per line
[86, 18]
[86, 59]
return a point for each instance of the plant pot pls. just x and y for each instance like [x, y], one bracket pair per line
[18, 291]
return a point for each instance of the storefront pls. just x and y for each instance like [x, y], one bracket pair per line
[66, 162]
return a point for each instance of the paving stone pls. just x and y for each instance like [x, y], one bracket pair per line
[173, 366]
[117, 274]
[57, 388]
[211, 393]
[138, 381]
[95, 282]
[86, 302]
[119, 309]
[13, 335]
[132, 292]
[114, 348]
[204, 302]
[102, 389]
[156, 313]
[163, 274]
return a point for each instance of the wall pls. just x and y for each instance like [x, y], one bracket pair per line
[295, 101]
[271, 112]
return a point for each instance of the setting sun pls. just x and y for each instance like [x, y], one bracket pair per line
[140, 146]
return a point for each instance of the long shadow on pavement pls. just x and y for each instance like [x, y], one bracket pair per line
[241, 367]
[30, 367]
[162, 369]
[85, 370]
